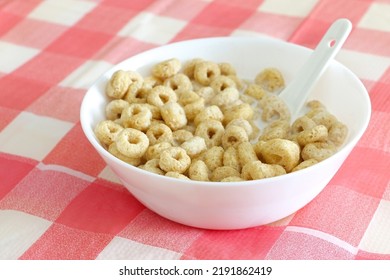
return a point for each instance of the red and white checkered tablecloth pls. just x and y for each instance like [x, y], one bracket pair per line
[58, 200]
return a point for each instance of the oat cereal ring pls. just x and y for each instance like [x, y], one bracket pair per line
[220, 83]
[118, 84]
[282, 152]
[227, 69]
[132, 142]
[315, 104]
[304, 164]
[271, 79]
[257, 170]
[174, 159]
[232, 179]
[189, 67]
[207, 93]
[205, 72]
[226, 97]
[180, 136]
[318, 151]
[223, 172]
[301, 124]
[106, 131]
[274, 107]
[166, 69]
[246, 153]
[319, 133]
[136, 93]
[338, 133]
[213, 157]
[114, 109]
[255, 91]
[246, 125]
[230, 158]
[212, 112]
[136, 116]
[156, 115]
[178, 82]
[112, 149]
[194, 108]
[159, 132]
[174, 115]
[276, 129]
[194, 146]
[154, 151]
[211, 131]
[152, 81]
[198, 171]
[321, 116]
[160, 95]
[233, 136]
[153, 166]
[187, 97]
[241, 111]
[176, 175]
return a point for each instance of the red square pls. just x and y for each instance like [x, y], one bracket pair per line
[193, 31]
[152, 229]
[74, 151]
[120, 48]
[369, 41]
[379, 96]
[137, 6]
[79, 43]
[183, 9]
[18, 92]
[48, 68]
[246, 244]
[7, 21]
[34, 33]
[365, 171]
[44, 193]
[7, 115]
[19, 168]
[363, 255]
[101, 209]
[21, 8]
[282, 26]
[60, 242]
[222, 14]
[331, 10]
[340, 212]
[301, 246]
[310, 33]
[106, 19]
[248, 4]
[66, 102]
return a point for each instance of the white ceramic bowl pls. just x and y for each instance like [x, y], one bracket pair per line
[236, 205]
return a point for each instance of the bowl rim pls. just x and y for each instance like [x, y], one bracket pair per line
[88, 131]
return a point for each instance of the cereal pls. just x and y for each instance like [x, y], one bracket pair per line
[107, 131]
[132, 142]
[174, 159]
[271, 79]
[199, 122]
[174, 115]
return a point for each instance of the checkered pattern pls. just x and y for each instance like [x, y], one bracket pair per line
[59, 200]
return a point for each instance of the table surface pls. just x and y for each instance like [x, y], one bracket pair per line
[59, 200]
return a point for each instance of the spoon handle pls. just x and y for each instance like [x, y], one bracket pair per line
[296, 93]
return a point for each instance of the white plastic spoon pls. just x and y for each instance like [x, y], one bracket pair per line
[297, 92]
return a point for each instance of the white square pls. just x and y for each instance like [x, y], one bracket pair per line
[84, 76]
[299, 8]
[64, 12]
[123, 249]
[32, 136]
[377, 17]
[148, 27]
[376, 239]
[18, 231]
[109, 175]
[12, 56]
